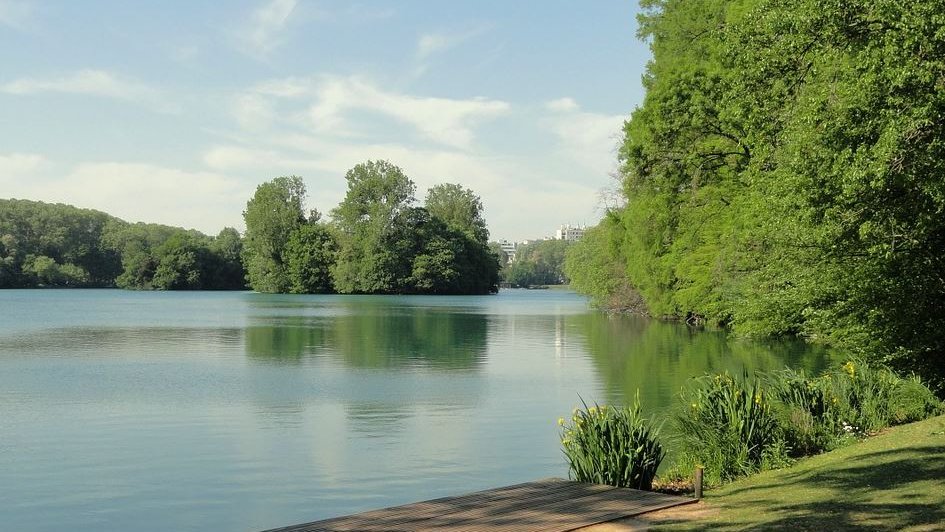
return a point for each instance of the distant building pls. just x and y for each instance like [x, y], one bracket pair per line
[569, 233]
[508, 248]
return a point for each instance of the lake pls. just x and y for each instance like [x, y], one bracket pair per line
[244, 411]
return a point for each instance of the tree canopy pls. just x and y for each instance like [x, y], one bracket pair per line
[378, 241]
[784, 174]
[55, 245]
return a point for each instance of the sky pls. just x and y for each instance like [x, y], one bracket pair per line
[174, 111]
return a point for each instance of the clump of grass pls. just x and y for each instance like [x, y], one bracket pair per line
[846, 402]
[913, 401]
[727, 425]
[612, 445]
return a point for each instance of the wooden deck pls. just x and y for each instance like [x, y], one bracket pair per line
[547, 505]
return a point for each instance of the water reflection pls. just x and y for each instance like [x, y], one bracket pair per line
[380, 335]
[164, 342]
[658, 358]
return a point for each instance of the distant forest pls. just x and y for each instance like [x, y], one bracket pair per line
[377, 241]
[55, 245]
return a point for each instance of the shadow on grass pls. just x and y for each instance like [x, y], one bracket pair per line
[887, 490]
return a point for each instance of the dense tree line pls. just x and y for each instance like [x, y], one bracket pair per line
[784, 175]
[376, 241]
[537, 263]
[55, 245]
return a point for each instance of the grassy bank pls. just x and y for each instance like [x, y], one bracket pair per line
[893, 481]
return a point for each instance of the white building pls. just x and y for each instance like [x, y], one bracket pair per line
[569, 233]
[508, 248]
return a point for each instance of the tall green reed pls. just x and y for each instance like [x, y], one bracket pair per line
[612, 445]
[726, 424]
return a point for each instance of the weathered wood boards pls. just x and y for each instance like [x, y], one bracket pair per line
[546, 505]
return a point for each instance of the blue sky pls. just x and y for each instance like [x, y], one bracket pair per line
[173, 112]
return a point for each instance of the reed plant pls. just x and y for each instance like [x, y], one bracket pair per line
[726, 424]
[612, 445]
[846, 402]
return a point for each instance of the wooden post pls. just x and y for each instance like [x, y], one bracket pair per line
[697, 482]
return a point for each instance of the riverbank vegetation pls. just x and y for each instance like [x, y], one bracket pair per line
[735, 426]
[893, 481]
[612, 445]
[784, 176]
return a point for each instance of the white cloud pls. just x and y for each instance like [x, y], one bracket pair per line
[431, 44]
[562, 105]
[590, 139]
[207, 201]
[19, 165]
[145, 192]
[16, 14]
[320, 127]
[442, 120]
[342, 107]
[92, 83]
[267, 25]
[253, 112]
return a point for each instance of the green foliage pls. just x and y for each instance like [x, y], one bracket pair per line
[272, 215]
[727, 425]
[912, 401]
[378, 192]
[596, 268]
[388, 246]
[736, 427]
[538, 263]
[43, 244]
[460, 209]
[783, 175]
[48, 245]
[161, 257]
[820, 414]
[309, 254]
[612, 445]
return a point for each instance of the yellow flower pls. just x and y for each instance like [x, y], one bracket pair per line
[694, 405]
[560, 421]
[849, 368]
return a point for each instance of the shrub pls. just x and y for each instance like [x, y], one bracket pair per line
[850, 400]
[727, 425]
[912, 401]
[612, 445]
[806, 412]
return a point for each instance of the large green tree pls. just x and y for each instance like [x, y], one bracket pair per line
[273, 213]
[460, 209]
[784, 173]
[378, 192]
[310, 254]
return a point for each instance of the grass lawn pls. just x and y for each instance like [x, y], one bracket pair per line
[893, 481]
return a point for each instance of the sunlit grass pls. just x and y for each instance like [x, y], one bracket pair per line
[893, 481]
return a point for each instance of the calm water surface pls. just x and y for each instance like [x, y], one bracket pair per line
[243, 411]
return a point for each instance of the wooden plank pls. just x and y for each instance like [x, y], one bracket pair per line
[548, 505]
[575, 513]
[438, 506]
[416, 516]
